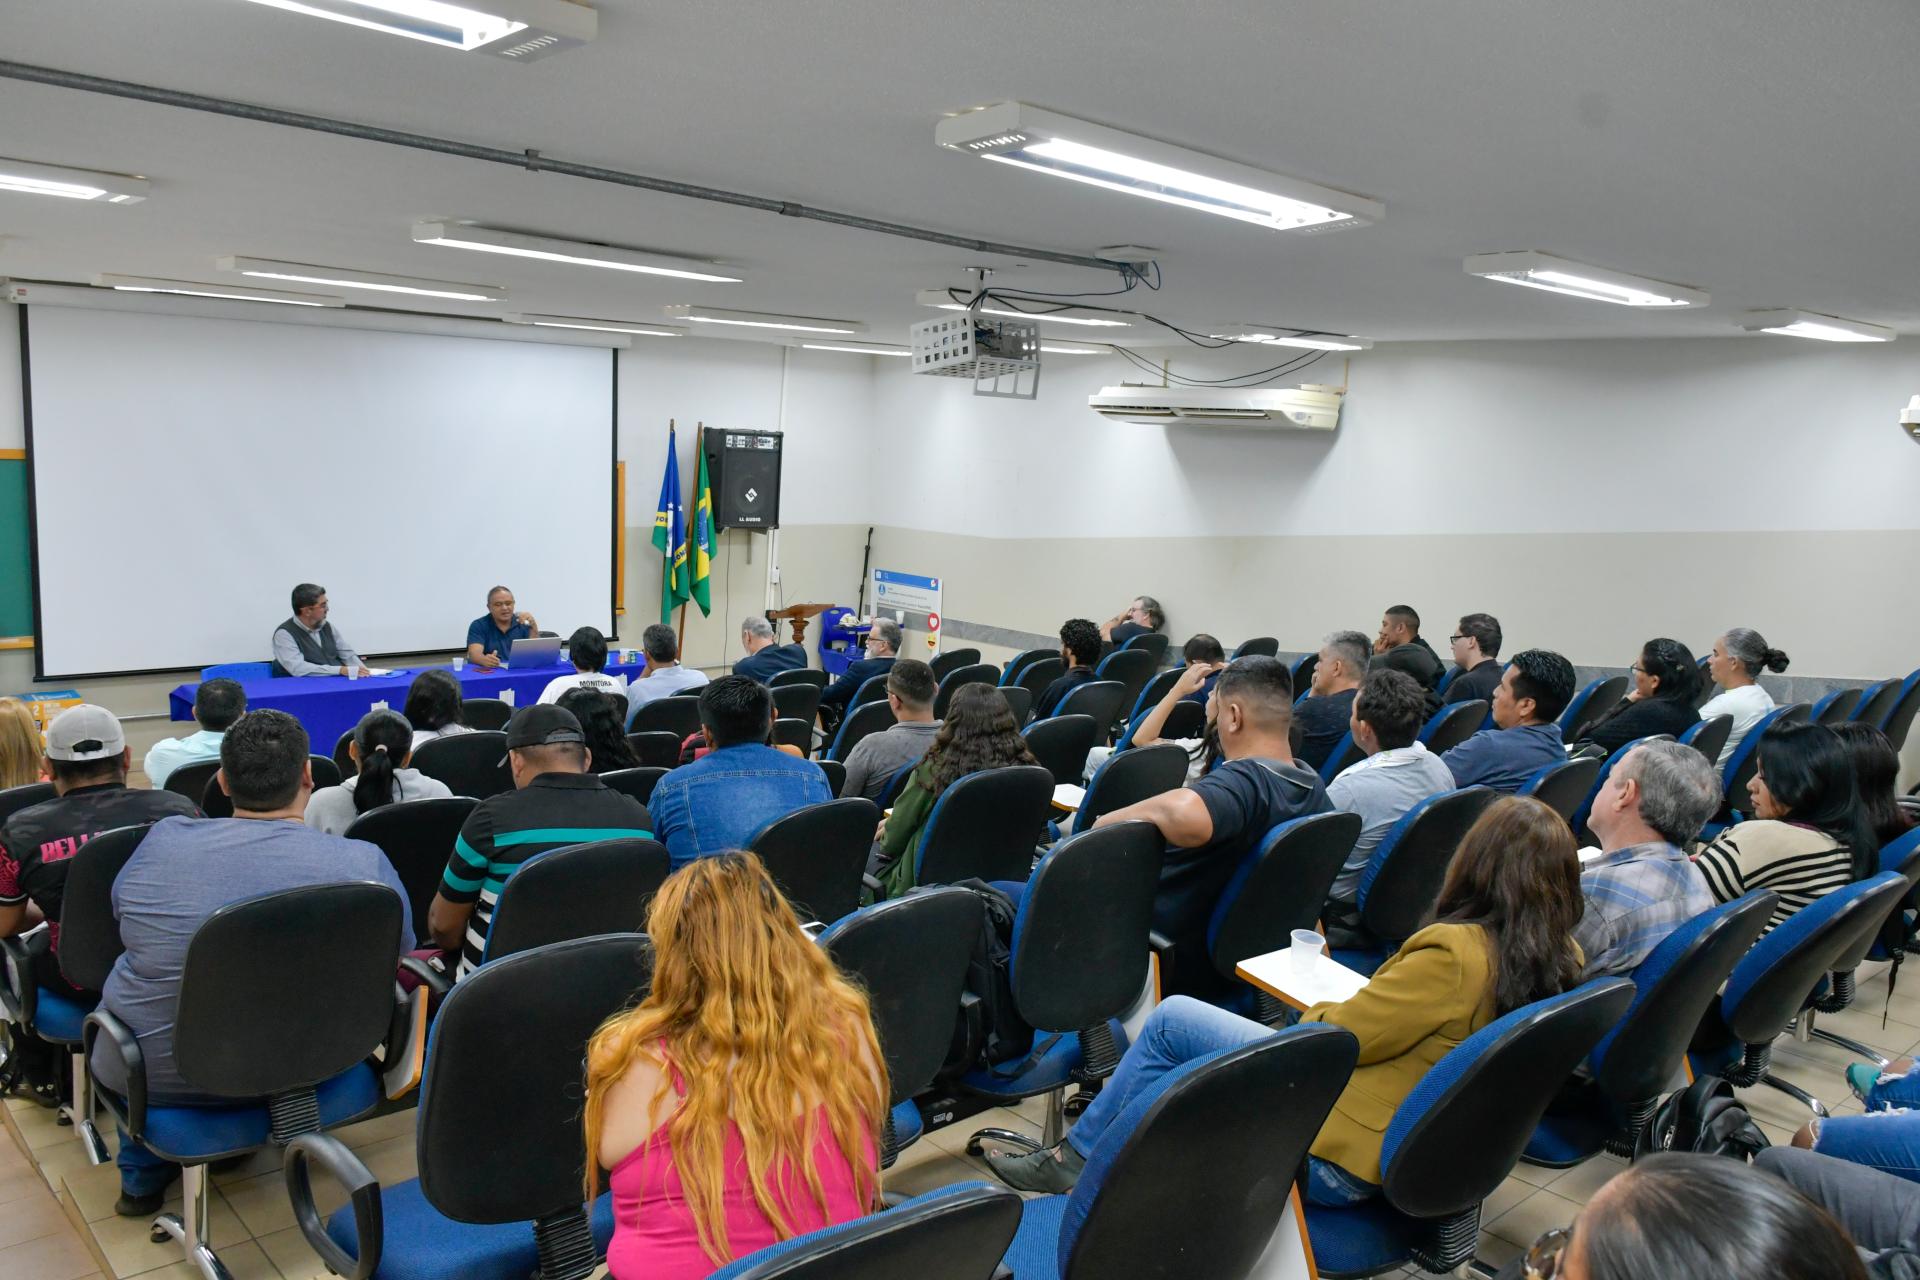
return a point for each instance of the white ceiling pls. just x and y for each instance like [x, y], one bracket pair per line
[1764, 150]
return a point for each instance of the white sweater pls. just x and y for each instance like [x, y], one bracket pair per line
[1746, 705]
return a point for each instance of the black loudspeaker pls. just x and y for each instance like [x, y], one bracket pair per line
[744, 469]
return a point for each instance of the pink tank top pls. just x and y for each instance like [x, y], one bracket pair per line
[653, 1233]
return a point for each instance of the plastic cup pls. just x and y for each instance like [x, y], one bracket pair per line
[353, 672]
[459, 664]
[506, 696]
[1308, 946]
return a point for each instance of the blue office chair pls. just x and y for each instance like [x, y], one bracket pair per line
[1345, 754]
[241, 671]
[1184, 720]
[1565, 786]
[1459, 1134]
[1707, 687]
[1259, 647]
[1061, 744]
[1453, 724]
[1890, 942]
[955, 1233]
[1588, 705]
[1899, 719]
[1126, 778]
[1010, 674]
[1877, 702]
[1635, 1063]
[1036, 676]
[1745, 760]
[1402, 880]
[1229, 1129]
[1838, 705]
[1279, 887]
[1130, 669]
[953, 659]
[1447, 678]
[959, 678]
[866, 718]
[1709, 736]
[1302, 670]
[985, 826]
[1152, 642]
[817, 855]
[1155, 690]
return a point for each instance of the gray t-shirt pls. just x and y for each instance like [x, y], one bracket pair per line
[184, 871]
[1381, 789]
[330, 809]
[878, 756]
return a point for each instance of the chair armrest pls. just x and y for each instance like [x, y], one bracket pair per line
[873, 883]
[127, 1046]
[1166, 953]
[363, 1198]
[19, 993]
[430, 978]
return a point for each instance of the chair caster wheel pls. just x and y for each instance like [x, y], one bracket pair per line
[158, 1235]
[63, 1120]
[974, 1148]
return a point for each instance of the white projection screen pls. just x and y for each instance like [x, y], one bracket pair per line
[187, 472]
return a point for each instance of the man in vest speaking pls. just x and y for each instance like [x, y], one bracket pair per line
[308, 645]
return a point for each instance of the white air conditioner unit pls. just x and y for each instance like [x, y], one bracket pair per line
[1313, 407]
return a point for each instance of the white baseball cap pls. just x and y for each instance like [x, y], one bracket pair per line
[85, 732]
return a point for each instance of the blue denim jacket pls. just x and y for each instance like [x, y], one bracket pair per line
[720, 801]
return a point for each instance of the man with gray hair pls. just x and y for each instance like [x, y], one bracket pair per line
[1321, 720]
[1642, 887]
[883, 646]
[765, 659]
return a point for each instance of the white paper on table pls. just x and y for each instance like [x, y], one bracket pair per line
[1068, 796]
[1326, 980]
[379, 671]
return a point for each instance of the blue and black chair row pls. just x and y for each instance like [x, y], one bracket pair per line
[1891, 943]
[1402, 880]
[1599, 697]
[1279, 887]
[953, 659]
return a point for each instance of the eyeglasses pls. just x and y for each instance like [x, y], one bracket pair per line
[1456, 639]
[1544, 1258]
[1637, 669]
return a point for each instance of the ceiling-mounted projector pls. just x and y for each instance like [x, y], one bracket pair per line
[1313, 407]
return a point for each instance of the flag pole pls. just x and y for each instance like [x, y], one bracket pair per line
[680, 636]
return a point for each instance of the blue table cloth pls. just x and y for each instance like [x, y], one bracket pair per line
[331, 705]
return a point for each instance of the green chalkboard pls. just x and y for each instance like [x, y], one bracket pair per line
[16, 564]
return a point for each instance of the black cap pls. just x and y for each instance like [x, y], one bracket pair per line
[542, 725]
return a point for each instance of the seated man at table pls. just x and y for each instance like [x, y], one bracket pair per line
[883, 646]
[664, 675]
[766, 659]
[216, 705]
[1212, 823]
[490, 638]
[555, 802]
[87, 759]
[722, 799]
[187, 869]
[587, 650]
[1527, 704]
[307, 644]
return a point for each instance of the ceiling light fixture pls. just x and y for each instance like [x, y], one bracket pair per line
[1578, 280]
[518, 29]
[228, 292]
[1301, 341]
[1811, 324]
[25, 177]
[352, 278]
[857, 349]
[944, 300]
[1045, 142]
[603, 326]
[760, 319]
[456, 235]
[1059, 350]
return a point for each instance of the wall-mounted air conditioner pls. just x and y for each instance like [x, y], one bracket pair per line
[1312, 407]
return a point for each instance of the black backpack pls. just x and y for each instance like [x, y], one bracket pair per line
[1704, 1117]
[995, 1033]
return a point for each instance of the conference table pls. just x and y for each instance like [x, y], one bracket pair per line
[331, 705]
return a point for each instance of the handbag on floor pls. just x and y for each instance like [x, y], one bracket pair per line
[1705, 1117]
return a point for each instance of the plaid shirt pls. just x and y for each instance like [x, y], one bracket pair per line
[1636, 896]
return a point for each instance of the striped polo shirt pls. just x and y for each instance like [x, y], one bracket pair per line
[553, 810]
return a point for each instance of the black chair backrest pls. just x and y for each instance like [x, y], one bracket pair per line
[1185, 720]
[469, 763]
[678, 716]
[325, 772]
[1877, 703]
[189, 780]
[1019, 701]
[214, 801]
[1593, 702]
[836, 775]
[1130, 777]
[868, 718]
[1900, 717]
[977, 673]
[417, 837]
[1155, 690]
[1010, 674]
[1131, 668]
[872, 689]
[577, 891]
[1709, 736]
[1153, 642]
[1279, 887]
[693, 692]
[956, 1233]
[1198, 1145]
[1302, 671]
[519, 1028]
[1453, 724]
[952, 660]
[1758, 1011]
[802, 675]
[485, 713]
[1562, 787]
[89, 933]
[655, 748]
[14, 799]
[1408, 881]
[986, 825]
[242, 1030]
[1101, 699]
[790, 732]
[1035, 676]
[638, 782]
[1259, 647]
[910, 956]
[796, 702]
[1080, 944]
[817, 855]
[1061, 743]
[342, 759]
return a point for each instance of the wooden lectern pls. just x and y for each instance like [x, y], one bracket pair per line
[799, 615]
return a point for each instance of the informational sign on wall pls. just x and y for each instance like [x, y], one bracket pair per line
[910, 600]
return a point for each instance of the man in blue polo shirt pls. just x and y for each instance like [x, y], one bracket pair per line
[1527, 704]
[490, 639]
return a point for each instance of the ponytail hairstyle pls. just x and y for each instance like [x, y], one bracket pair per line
[385, 742]
[1749, 648]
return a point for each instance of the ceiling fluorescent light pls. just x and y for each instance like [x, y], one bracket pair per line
[1058, 349]
[518, 29]
[351, 278]
[761, 320]
[1025, 136]
[455, 235]
[1578, 280]
[25, 177]
[945, 300]
[1811, 324]
[1301, 341]
[603, 326]
[229, 292]
[857, 349]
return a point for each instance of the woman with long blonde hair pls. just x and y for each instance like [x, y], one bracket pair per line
[20, 746]
[738, 1104]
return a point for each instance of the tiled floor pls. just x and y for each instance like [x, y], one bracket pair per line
[57, 1220]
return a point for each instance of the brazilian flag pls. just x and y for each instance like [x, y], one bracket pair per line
[670, 535]
[702, 533]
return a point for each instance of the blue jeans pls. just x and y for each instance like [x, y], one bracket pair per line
[1887, 1140]
[141, 1172]
[1895, 1091]
[1179, 1030]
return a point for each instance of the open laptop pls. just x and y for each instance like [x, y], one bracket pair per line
[535, 651]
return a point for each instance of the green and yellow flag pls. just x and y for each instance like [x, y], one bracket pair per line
[702, 531]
